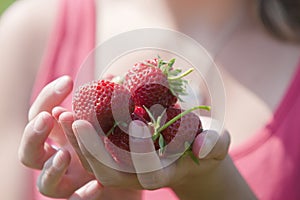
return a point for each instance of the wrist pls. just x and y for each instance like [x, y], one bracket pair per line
[221, 181]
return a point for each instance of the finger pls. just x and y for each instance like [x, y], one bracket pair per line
[103, 166]
[53, 182]
[220, 150]
[90, 142]
[146, 161]
[66, 120]
[57, 111]
[211, 145]
[144, 156]
[33, 150]
[51, 95]
[93, 150]
[90, 191]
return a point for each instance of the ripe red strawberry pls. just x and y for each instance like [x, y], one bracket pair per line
[117, 142]
[110, 107]
[179, 132]
[103, 103]
[140, 114]
[155, 82]
[180, 127]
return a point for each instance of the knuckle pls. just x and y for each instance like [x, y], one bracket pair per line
[23, 159]
[28, 161]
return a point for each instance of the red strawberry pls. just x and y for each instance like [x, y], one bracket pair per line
[180, 131]
[117, 144]
[110, 107]
[181, 127]
[140, 114]
[154, 82]
[103, 103]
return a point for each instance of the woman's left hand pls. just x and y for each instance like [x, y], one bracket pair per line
[149, 170]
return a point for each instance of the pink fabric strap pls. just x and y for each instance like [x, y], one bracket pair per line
[73, 37]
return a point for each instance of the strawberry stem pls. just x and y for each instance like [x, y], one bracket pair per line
[112, 129]
[115, 125]
[181, 115]
[180, 76]
[161, 142]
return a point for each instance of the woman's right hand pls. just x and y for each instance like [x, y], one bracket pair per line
[45, 147]
[62, 174]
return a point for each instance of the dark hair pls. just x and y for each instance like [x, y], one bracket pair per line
[281, 18]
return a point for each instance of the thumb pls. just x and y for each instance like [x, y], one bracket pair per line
[211, 145]
[145, 159]
[143, 154]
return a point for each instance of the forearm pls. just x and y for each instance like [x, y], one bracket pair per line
[223, 182]
[15, 178]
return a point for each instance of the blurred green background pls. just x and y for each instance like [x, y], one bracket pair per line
[4, 4]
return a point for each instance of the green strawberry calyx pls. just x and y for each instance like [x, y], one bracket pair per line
[155, 123]
[177, 84]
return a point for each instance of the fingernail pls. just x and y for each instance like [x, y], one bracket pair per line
[139, 130]
[58, 161]
[75, 128]
[197, 144]
[209, 141]
[61, 85]
[39, 125]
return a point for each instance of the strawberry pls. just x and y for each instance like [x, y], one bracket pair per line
[180, 128]
[155, 82]
[103, 103]
[117, 142]
[176, 132]
[149, 93]
[140, 114]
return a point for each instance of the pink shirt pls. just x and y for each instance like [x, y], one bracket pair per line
[269, 161]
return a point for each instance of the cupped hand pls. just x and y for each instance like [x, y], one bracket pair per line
[45, 147]
[149, 170]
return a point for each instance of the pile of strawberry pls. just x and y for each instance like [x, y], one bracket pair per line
[149, 92]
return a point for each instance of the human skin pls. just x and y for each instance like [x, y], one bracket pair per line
[216, 174]
[21, 30]
[54, 182]
[87, 143]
